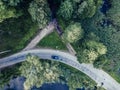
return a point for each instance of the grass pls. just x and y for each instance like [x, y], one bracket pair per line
[52, 41]
[15, 33]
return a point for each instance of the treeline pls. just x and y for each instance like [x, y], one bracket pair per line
[71, 14]
[38, 9]
[107, 27]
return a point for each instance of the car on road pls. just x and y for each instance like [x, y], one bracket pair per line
[55, 57]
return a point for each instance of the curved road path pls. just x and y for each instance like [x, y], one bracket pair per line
[96, 74]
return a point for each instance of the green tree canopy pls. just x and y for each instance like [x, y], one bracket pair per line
[78, 9]
[6, 12]
[40, 12]
[66, 10]
[73, 32]
[100, 62]
[12, 2]
[37, 72]
[91, 50]
[114, 12]
[96, 46]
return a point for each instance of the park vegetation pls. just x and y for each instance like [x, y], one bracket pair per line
[87, 44]
[73, 33]
[78, 9]
[40, 12]
[95, 35]
[100, 41]
[106, 27]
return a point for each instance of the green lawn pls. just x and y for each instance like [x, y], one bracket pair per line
[15, 33]
[52, 41]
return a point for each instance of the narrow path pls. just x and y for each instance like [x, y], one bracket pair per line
[2, 52]
[98, 75]
[40, 36]
[71, 49]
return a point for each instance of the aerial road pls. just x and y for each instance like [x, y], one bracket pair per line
[98, 75]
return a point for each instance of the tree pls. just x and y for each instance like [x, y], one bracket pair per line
[86, 9]
[66, 10]
[90, 50]
[78, 9]
[92, 36]
[6, 12]
[100, 62]
[96, 46]
[87, 56]
[40, 12]
[7, 73]
[114, 12]
[37, 72]
[106, 27]
[73, 32]
[12, 2]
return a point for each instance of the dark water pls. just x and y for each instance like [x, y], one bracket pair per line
[17, 84]
[54, 86]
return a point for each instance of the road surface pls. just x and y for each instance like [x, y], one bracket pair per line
[96, 74]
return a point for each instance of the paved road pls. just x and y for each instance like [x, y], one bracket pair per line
[96, 74]
[40, 36]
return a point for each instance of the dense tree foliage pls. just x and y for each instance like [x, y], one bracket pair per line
[37, 73]
[40, 12]
[6, 12]
[12, 2]
[15, 33]
[78, 9]
[7, 74]
[66, 10]
[114, 12]
[100, 62]
[73, 32]
[106, 27]
[90, 51]
[96, 46]
[102, 35]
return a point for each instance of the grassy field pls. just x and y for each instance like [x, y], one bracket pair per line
[16, 33]
[52, 41]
